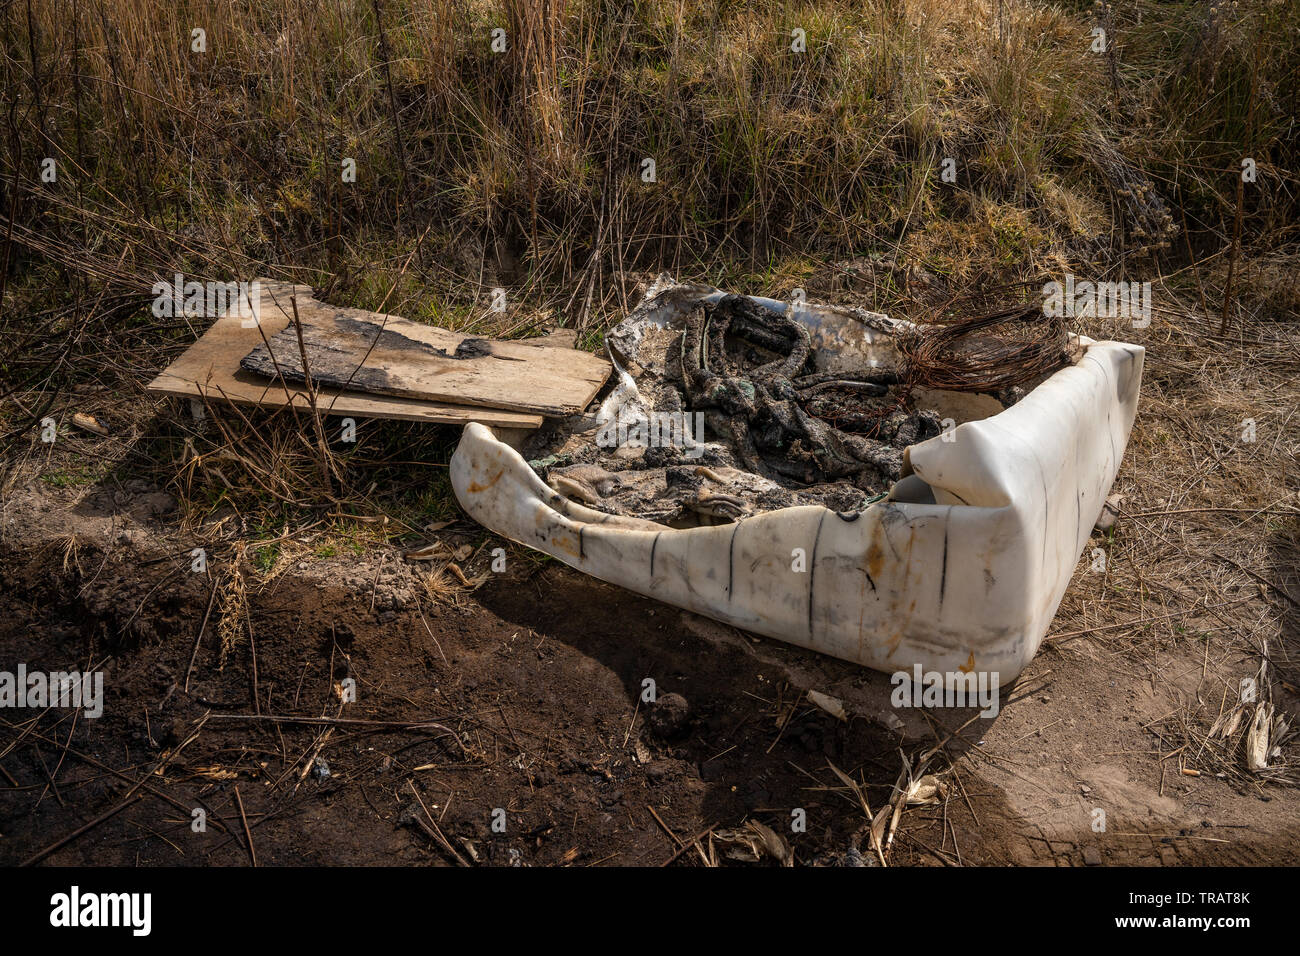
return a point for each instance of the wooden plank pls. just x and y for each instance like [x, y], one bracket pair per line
[388, 355]
[210, 369]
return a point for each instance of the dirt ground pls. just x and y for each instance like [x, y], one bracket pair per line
[516, 703]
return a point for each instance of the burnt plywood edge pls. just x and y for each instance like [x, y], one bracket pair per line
[210, 370]
[388, 355]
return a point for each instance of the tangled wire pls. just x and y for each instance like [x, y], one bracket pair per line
[1029, 346]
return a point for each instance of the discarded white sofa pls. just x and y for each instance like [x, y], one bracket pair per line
[960, 569]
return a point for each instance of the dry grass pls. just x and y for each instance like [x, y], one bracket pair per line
[522, 169]
[1207, 553]
[528, 160]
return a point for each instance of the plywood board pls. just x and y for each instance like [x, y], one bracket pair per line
[388, 355]
[210, 369]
